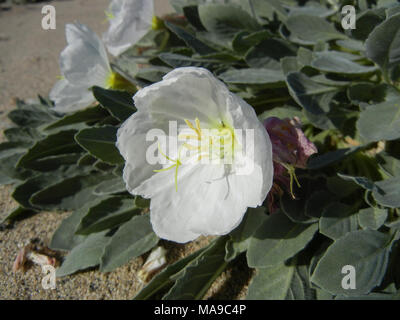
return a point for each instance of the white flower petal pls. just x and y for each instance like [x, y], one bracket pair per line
[132, 144]
[131, 21]
[244, 117]
[208, 202]
[69, 98]
[185, 93]
[84, 60]
[211, 199]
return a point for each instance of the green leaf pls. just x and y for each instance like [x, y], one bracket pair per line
[280, 282]
[244, 40]
[383, 44]
[69, 194]
[22, 134]
[118, 103]
[331, 61]
[177, 61]
[31, 115]
[267, 9]
[372, 218]
[142, 202]
[86, 160]
[9, 173]
[52, 163]
[109, 187]
[295, 209]
[337, 220]
[152, 39]
[190, 40]
[108, 214]
[271, 283]
[290, 64]
[312, 9]
[100, 143]
[192, 15]
[226, 19]
[17, 213]
[366, 22]
[132, 239]
[179, 5]
[387, 192]
[60, 143]
[380, 122]
[351, 44]
[391, 165]
[109, 121]
[88, 115]
[194, 280]
[24, 191]
[64, 238]
[372, 93]
[308, 93]
[329, 158]
[85, 255]
[312, 29]
[270, 49]
[277, 240]
[361, 181]
[103, 166]
[240, 237]
[253, 76]
[366, 250]
[339, 187]
[316, 203]
[153, 73]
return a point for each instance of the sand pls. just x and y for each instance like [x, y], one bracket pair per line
[29, 66]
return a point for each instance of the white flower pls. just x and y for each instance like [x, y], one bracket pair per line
[84, 64]
[129, 22]
[194, 198]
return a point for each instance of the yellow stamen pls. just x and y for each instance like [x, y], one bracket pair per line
[223, 140]
[293, 177]
[176, 166]
[191, 126]
[197, 121]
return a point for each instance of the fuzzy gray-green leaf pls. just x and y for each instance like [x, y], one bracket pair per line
[132, 239]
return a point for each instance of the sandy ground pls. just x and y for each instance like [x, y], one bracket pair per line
[29, 66]
[29, 54]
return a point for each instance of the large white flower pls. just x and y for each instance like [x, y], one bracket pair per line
[129, 20]
[83, 64]
[191, 197]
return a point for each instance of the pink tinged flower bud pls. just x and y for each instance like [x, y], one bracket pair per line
[291, 149]
[289, 144]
